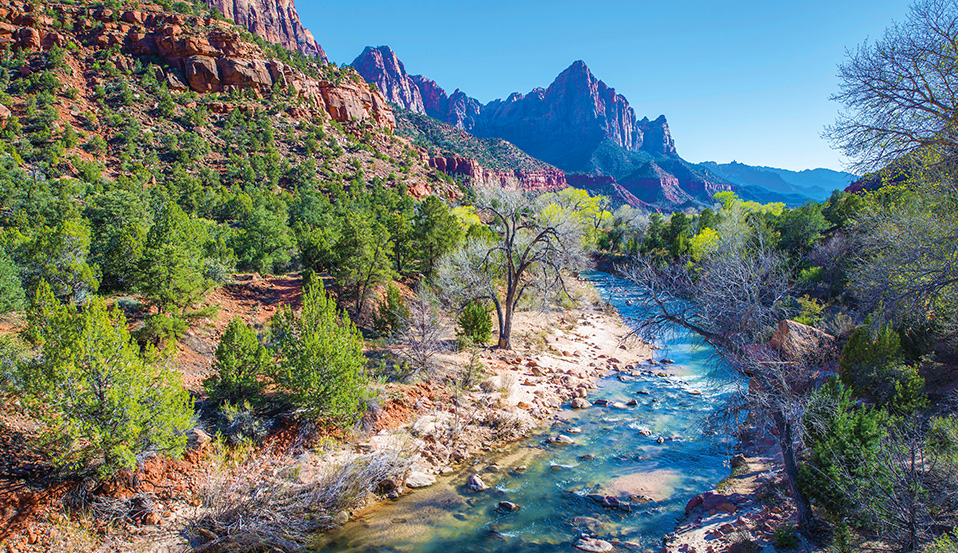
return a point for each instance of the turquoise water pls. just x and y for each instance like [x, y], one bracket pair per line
[552, 491]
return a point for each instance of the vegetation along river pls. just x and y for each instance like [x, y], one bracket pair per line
[656, 449]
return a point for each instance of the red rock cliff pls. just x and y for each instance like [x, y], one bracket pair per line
[275, 20]
[200, 53]
[545, 180]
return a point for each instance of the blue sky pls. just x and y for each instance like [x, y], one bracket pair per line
[746, 81]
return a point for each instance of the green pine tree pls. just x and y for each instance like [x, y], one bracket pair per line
[320, 358]
[100, 401]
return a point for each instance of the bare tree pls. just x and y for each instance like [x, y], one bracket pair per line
[422, 333]
[529, 257]
[899, 92]
[905, 262]
[734, 299]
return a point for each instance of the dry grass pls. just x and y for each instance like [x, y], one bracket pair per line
[279, 503]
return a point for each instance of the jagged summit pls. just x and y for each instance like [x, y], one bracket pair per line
[276, 21]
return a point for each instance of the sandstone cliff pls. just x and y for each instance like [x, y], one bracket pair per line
[201, 54]
[381, 67]
[277, 21]
[543, 180]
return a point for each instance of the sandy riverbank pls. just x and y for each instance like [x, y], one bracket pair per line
[557, 356]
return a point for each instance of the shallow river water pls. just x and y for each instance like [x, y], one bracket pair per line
[553, 490]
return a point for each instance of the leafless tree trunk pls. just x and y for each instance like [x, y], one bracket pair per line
[422, 333]
[531, 255]
[733, 300]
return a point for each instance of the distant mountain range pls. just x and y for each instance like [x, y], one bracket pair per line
[581, 126]
[816, 184]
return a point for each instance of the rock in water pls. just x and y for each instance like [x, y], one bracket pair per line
[476, 484]
[580, 403]
[562, 439]
[508, 506]
[420, 480]
[593, 545]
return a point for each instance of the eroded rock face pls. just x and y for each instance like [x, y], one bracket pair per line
[546, 180]
[381, 67]
[275, 21]
[201, 54]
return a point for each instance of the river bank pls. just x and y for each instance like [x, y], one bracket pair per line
[614, 473]
[442, 428]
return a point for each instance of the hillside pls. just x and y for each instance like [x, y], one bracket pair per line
[153, 96]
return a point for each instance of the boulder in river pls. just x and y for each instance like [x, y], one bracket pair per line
[580, 403]
[476, 484]
[507, 507]
[418, 479]
[593, 545]
[561, 439]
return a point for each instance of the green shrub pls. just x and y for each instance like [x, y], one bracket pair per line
[811, 313]
[241, 364]
[162, 330]
[785, 538]
[100, 402]
[392, 313]
[11, 290]
[475, 323]
[844, 440]
[873, 366]
[320, 366]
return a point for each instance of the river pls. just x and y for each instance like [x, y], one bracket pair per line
[657, 449]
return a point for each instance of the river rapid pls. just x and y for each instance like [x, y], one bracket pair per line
[657, 449]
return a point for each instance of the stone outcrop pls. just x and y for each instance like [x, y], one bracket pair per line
[381, 67]
[801, 343]
[545, 180]
[276, 21]
[201, 54]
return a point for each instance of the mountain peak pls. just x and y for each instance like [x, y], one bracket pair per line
[380, 65]
[276, 21]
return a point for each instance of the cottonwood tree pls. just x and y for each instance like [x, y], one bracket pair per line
[528, 258]
[899, 92]
[733, 299]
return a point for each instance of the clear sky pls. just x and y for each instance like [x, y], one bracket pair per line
[746, 81]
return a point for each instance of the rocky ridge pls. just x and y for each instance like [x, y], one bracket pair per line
[578, 124]
[201, 54]
[276, 21]
[576, 112]
[545, 180]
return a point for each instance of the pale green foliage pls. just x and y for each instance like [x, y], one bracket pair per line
[320, 358]
[589, 211]
[101, 403]
[811, 311]
[731, 203]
